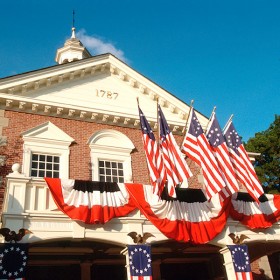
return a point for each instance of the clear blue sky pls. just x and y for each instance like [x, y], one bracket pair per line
[219, 53]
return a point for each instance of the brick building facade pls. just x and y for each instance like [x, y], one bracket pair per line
[79, 112]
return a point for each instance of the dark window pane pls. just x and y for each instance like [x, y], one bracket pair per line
[42, 157]
[120, 172]
[120, 165]
[108, 178]
[121, 180]
[49, 158]
[115, 179]
[55, 175]
[108, 164]
[101, 163]
[101, 171]
[114, 165]
[49, 166]
[41, 173]
[34, 157]
[55, 167]
[34, 164]
[56, 159]
[102, 179]
[114, 172]
[48, 174]
[41, 165]
[33, 173]
[108, 172]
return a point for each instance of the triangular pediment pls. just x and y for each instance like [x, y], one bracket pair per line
[48, 131]
[101, 88]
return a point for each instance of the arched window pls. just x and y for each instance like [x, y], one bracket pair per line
[111, 156]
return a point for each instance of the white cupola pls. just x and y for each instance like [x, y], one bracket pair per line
[72, 50]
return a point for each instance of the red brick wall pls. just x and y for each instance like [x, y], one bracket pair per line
[79, 150]
[80, 167]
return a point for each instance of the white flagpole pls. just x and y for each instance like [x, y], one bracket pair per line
[229, 120]
[212, 114]
[186, 126]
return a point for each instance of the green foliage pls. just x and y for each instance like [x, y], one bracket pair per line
[267, 165]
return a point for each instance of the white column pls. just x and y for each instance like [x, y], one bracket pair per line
[228, 263]
[125, 252]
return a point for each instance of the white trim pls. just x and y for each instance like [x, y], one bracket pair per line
[110, 145]
[46, 139]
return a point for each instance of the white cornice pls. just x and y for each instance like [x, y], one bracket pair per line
[12, 103]
[13, 92]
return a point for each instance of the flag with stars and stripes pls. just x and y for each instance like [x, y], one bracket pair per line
[242, 165]
[140, 262]
[13, 260]
[219, 147]
[177, 170]
[153, 155]
[197, 148]
[241, 261]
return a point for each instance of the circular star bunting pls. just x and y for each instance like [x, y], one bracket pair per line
[13, 262]
[140, 268]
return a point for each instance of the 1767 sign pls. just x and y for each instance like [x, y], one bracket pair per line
[106, 94]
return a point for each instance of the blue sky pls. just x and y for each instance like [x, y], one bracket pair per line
[216, 52]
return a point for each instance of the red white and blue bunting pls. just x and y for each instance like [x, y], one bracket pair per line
[256, 215]
[189, 218]
[90, 202]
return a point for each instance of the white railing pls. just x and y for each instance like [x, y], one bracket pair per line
[26, 195]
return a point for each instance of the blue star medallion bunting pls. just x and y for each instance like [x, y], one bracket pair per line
[13, 260]
[140, 261]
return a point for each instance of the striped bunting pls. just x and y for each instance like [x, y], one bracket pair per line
[90, 202]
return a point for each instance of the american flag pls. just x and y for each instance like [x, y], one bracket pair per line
[241, 262]
[219, 147]
[140, 262]
[153, 155]
[242, 165]
[177, 170]
[197, 148]
[13, 259]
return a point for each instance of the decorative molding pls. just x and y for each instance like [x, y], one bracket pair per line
[47, 109]
[9, 103]
[71, 113]
[52, 76]
[116, 119]
[21, 105]
[66, 112]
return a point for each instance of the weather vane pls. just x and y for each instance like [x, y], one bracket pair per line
[73, 19]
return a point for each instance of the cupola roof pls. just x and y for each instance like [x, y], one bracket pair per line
[72, 50]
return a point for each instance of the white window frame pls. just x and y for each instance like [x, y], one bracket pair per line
[111, 145]
[47, 139]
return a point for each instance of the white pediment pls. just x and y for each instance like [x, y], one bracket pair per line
[47, 131]
[101, 88]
